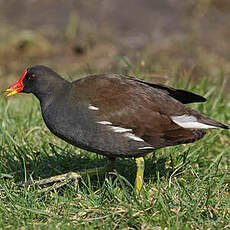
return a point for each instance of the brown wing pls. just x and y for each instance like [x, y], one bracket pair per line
[183, 96]
[147, 111]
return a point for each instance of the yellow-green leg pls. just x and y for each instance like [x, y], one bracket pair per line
[62, 179]
[140, 173]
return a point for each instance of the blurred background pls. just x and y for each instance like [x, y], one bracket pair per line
[159, 39]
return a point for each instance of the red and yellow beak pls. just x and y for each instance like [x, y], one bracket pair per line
[17, 87]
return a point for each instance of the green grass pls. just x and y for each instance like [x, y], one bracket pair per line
[186, 186]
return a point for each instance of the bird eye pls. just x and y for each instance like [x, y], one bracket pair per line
[32, 77]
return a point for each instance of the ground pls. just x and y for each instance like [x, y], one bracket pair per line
[182, 45]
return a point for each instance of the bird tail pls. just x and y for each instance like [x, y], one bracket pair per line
[195, 120]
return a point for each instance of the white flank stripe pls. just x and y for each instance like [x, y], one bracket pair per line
[104, 122]
[93, 107]
[132, 136]
[120, 129]
[147, 147]
[190, 122]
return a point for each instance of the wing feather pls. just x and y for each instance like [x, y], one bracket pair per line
[128, 104]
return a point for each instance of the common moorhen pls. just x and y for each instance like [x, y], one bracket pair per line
[114, 115]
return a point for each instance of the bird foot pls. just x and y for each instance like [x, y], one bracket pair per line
[57, 181]
[63, 179]
[140, 174]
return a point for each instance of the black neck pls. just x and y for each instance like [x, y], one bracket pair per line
[55, 92]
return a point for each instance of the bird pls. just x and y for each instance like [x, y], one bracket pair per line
[113, 115]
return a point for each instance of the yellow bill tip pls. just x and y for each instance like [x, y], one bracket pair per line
[11, 92]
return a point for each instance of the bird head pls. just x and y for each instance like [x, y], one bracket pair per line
[36, 79]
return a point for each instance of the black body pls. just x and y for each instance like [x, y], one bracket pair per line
[114, 115]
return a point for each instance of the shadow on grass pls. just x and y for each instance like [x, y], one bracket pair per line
[56, 161]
